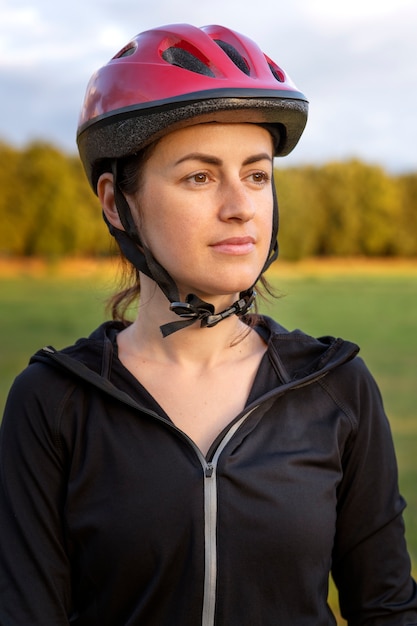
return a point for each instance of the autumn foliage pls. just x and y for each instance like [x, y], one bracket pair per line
[338, 209]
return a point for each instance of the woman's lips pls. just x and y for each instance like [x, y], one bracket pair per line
[235, 245]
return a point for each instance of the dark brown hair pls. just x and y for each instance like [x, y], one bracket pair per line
[129, 181]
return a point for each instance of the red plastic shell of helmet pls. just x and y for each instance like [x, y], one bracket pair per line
[139, 75]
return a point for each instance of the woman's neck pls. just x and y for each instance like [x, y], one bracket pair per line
[203, 347]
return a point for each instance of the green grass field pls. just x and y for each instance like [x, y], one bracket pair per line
[377, 310]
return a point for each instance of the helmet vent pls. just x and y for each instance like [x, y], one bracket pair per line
[126, 51]
[277, 73]
[186, 60]
[234, 56]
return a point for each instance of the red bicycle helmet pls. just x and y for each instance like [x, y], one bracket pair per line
[178, 75]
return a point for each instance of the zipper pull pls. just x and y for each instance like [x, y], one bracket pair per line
[208, 472]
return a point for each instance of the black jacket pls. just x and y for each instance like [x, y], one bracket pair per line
[111, 516]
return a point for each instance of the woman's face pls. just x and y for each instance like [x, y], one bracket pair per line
[205, 206]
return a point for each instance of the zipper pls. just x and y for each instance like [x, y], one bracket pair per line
[210, 545]
[210, 522]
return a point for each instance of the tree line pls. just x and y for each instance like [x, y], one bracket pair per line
[347, 208]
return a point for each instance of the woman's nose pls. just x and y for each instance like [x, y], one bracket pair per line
[236, 202]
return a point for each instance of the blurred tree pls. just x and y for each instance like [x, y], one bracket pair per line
[10, 201]
[302, 216]
[46, 205]
[406, 230]
[91, 235]
[338, 196]
[337, 209]
[378, 205]
[341, 209]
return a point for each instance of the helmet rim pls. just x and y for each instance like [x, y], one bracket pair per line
[127, 130]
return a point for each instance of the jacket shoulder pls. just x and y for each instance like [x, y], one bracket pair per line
[355, 390]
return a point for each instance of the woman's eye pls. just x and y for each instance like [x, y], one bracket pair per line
[260, 177]
[201, 177]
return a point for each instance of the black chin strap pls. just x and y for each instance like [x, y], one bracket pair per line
[193, 309]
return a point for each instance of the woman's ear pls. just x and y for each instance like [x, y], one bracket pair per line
[105, 192]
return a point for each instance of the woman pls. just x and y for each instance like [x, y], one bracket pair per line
[201, 465]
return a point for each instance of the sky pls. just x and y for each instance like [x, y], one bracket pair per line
[355, 61]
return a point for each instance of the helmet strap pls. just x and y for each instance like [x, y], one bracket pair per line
[132, 246]
[193, 309]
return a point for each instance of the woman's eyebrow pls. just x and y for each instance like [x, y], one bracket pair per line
[258, 157]
[212, 160]
[200, 156]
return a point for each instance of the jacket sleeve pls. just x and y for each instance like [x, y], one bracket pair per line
[371, 566]
[35, 585]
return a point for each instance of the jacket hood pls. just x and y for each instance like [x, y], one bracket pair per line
[297, 357]
[302, 356]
